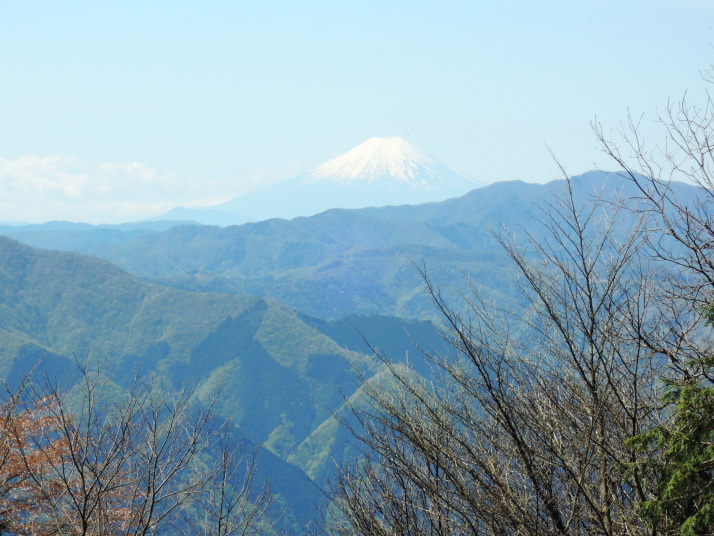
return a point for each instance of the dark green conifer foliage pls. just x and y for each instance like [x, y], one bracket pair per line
[683, 448]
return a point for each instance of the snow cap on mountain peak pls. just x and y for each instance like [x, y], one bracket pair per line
[382, 159]
[376, 173]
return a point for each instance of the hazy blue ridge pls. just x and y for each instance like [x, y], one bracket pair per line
[344, 262]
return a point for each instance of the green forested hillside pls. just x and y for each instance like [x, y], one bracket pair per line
[277, 374]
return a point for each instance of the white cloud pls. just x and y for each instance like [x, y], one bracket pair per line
[38, 189]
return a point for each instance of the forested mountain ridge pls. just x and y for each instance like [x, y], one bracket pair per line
[344, 262]
[280, 375]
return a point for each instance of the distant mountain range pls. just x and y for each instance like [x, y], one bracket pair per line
[342, 262]
[378, 172]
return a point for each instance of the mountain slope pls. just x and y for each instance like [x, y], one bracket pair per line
[392, 160]
[278, 374]
[378, 172]
[76, 304]
[54, 305]
[344, 262]
[83, 237]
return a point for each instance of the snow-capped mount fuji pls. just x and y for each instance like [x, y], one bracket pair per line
[389, 159]
[378, 172]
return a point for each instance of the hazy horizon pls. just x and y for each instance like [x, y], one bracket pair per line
[121, 112]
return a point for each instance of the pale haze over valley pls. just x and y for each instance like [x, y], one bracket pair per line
[122, 112]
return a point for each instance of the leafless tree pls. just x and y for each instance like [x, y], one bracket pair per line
[140, 461]
[525, 431]
[680, 229]
[233, 506]
[681, 243]
[528, 430]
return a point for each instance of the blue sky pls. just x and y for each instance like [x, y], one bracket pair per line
[114, 111]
